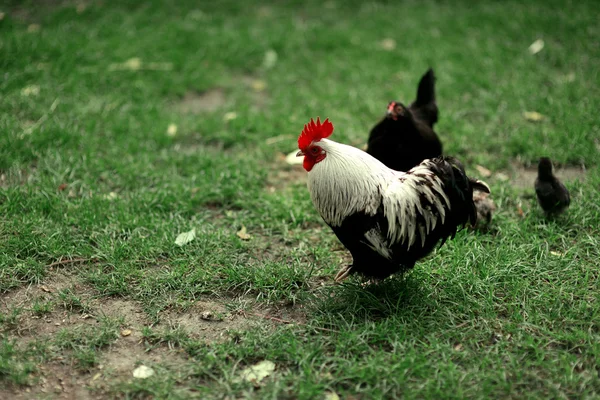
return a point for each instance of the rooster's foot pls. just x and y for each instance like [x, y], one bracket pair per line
[343, 273]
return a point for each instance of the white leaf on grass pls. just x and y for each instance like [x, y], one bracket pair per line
[292, 159]
[133, 64]
[172, 130]
[270, 59]
[256, 373]
[533, 116]
[229, 116]
[243, 234]
[143, 372]
[388, 44]
[331, 396]
[31, 90]
[258, 85]
[536, 46]
[111, 196]
[185, 237]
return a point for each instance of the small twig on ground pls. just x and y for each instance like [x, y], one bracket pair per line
[283, 321]
[69, 261]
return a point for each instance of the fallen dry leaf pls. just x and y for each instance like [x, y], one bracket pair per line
[62, 186]
[570, 77]
[556, 253]
[185, 237]
[486, 173]
[133, 64]
[270, 59]
[242, 234]
[536, 46]
[458, 347]
[388, 44]
[96, 376]
[31, 90]
[292, 159]
[172, 130]
[520, 212]
[258, 85]
[111, 196]
[126, 332]
[143, 372]
[533, 116]
[230, 116]
[206, 315]
[258, 372]
[331, 396]
[45, 289]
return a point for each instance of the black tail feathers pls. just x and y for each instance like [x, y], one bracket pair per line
[425, 106]
[426, 90]
[460, 191]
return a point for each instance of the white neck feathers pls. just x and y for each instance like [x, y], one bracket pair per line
[349, 180]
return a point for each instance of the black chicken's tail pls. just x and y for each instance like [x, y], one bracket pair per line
[459, 189]
[425, 105]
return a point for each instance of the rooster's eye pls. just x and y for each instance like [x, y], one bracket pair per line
[314, 150]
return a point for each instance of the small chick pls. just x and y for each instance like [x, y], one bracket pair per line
[552, 195]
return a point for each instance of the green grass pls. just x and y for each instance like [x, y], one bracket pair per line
[89, 172]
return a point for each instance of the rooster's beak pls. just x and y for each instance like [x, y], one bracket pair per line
[300, 153]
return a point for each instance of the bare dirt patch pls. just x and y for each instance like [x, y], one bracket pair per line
[60, 376]
[283, 176]
[208, 320]
[257, 88]
[197, 103]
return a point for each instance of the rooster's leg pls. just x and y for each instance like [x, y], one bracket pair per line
[343, 273]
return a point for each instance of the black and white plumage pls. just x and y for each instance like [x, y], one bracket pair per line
[552, 195]
[387, 219]
[405, 136]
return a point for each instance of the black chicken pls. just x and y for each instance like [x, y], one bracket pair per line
[405, 137]
[552, 195]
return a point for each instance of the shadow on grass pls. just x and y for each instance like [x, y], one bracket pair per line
[397, 296]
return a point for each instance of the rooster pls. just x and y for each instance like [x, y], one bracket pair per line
[405, 136]
[387, 219]
[551, 193]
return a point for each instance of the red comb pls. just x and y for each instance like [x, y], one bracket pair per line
[314, 132]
